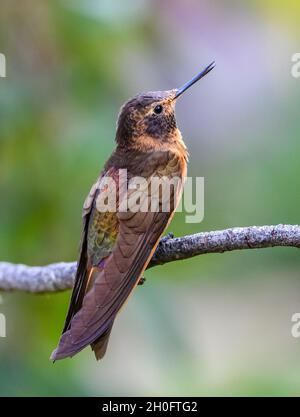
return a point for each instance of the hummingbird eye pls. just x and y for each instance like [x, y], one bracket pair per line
[158, 109]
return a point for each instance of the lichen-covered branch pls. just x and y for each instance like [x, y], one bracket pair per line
[60, 276]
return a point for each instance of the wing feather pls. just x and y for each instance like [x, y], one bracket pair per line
[92, 313]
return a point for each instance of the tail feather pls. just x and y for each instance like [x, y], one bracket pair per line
[99, 346]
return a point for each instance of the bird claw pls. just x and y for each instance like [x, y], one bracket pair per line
[167, 237]
[142, 281]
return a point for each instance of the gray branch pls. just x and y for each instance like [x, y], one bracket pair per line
[60, 276]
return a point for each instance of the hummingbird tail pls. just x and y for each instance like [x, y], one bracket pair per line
[99, 346]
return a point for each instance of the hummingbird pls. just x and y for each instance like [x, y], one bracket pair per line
[117, 245]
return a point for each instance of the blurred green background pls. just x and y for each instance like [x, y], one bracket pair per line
[217, 324]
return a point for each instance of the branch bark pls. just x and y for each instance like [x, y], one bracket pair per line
[60, 276]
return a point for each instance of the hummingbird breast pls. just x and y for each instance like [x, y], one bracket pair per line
[163, 166]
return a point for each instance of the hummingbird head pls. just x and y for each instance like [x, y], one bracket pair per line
[150, 117]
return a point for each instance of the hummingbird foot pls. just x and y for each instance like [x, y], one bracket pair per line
[142, 281]
[167, 237]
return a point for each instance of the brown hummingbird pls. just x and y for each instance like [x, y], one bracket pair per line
[117, 244]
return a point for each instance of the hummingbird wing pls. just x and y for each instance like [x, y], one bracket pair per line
[103, 229]
[107, 275]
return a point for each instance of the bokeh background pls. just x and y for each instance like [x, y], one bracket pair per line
[213, 325]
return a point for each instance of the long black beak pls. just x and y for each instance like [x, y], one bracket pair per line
[197, 77]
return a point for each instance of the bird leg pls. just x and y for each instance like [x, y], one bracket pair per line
[168, 236]
[142, 281]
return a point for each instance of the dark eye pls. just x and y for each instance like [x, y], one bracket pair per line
[158, 109]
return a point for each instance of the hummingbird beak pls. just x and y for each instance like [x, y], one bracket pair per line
[197, 77]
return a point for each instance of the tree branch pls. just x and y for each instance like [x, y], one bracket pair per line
[60, 276]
